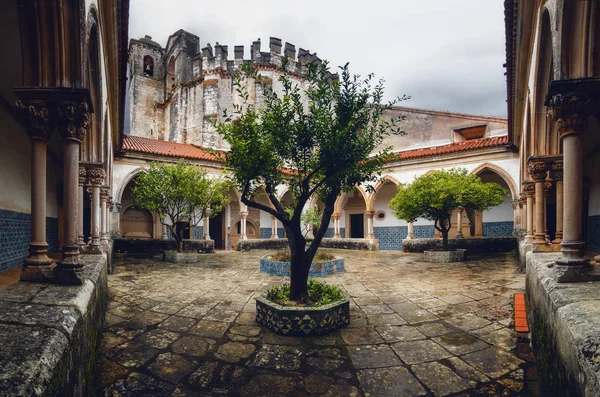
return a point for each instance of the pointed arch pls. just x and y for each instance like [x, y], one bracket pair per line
[514, 193]
[339, 203]
[126, 181]
[380, 183]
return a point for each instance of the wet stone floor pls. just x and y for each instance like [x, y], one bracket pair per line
[417, 329]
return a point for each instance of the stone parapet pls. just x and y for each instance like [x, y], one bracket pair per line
[361, 244]
[147, 248]
[483, 244]
[565, 329]
[49, 334]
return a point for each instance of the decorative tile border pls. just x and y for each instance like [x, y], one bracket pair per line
[302, 321]
[320, 269]
[197, 232]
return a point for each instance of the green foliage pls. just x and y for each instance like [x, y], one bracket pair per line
[312, 219]
[434, 196]
[319, 294]
[285, 256]
[318, 135]
[179, 192]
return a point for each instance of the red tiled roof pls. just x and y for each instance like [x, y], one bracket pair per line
[465, 146]
[165, 148]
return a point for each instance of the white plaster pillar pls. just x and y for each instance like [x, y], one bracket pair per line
[411, 231]
[336, 225]
[165, 235]
[370, 226]
[244, 216]
[459, 233]
[206, 228]
[273, 227]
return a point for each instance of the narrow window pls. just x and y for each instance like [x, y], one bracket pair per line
[148, 66]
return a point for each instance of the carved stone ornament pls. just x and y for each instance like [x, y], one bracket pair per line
[556, 171]
[38, 119]
[74, 120]
[547, 187]
[529, 190]
[104, 193]
[537, 170]
[95, 176]
[569, 112]
[82, 175]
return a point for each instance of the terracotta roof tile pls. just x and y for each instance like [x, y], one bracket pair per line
[465, 146]
[164, 148]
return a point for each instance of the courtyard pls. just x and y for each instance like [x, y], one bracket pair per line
[417, 329]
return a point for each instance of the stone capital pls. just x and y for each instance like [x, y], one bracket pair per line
[515, 204]
[370, 214]
[95, 176]
[38, 119]
[105, 193]
[115, 207]
[570, 102]
[556, 170]
[538, 169]
[528, 189]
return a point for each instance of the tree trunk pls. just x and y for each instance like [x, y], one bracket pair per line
[300, 263]
[445, 239]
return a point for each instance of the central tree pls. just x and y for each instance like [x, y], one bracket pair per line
[320, 139]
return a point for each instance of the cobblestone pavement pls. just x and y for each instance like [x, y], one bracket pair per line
[417, 329]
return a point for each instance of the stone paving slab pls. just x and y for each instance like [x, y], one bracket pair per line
[417, 329]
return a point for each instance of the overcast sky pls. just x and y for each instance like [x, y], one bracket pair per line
[446, 54]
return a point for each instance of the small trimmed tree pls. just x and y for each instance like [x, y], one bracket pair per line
[434, 196]
[321, 140]
[180, 194]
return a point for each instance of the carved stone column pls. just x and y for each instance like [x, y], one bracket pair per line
[547, 187]
[116, 211]
[478, 224]
[80, 200]
[529, 192]
[244, 216]
[95, 180]
[336, 225]
[570, 103]
[273, 227]
[411, 231]
[523, 208]
[38, 118]
[459, 233]
[556, 173]
[370, 227]
[538, 169]
[74, 110]
[104, 199]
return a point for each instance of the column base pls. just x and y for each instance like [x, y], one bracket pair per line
[460, 235]
[528, 239]
[92, 249]
[81, 241]
[37, 267]
[337, 236]
[568, 270]
[558, 238]
[273, 236]
[69, 271]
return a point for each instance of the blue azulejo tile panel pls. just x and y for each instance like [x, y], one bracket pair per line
[265, 232]
[15, 235]
[329, 232]
[280, 233]
[593, 239]
[423, 231]
[390, 237]
[52, 234]
[198, 232]
[497, 229]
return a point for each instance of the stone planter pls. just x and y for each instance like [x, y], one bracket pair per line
[457, 255]
[302, 321]
[181, 257]
[317, 269]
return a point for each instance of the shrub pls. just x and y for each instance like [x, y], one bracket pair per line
[319, 294]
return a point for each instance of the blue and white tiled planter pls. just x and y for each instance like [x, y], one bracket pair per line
[317, 269]
[302, 321]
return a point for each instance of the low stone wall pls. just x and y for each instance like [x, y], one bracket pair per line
[50, 334]
[261, 244]
[457, 255]
[483, 244]
[564, 320]
[151, 247]
[360, 244]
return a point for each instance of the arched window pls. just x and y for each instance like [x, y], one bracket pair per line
[148, 66]
[171, 72]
